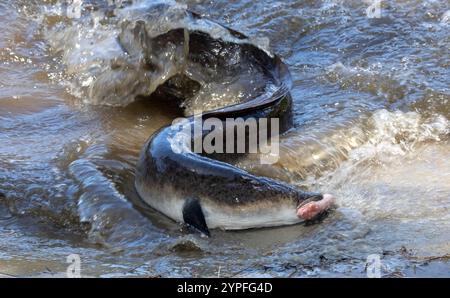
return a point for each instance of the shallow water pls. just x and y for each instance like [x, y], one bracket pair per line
[371, 110]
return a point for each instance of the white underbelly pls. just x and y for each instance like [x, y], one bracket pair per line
[241, 219]
[218, 217]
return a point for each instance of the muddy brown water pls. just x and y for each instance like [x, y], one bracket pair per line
[371, 110]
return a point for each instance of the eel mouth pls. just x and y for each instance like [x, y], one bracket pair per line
[312, 207]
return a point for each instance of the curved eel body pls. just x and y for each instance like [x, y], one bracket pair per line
[205, 192]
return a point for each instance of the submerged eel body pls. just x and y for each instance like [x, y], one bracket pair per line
[207, 193]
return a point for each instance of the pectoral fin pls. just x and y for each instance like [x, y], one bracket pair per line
[194, 217]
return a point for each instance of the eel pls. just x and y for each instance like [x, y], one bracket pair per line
[202, 189]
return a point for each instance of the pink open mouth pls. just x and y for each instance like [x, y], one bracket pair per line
[312, 209]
